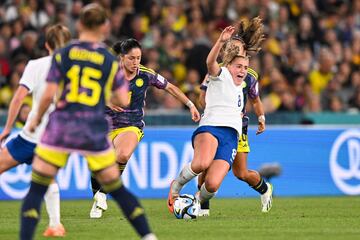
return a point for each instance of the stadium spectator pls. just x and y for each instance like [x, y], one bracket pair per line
[304, 37]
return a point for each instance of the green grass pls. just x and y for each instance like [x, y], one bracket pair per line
[290, 218]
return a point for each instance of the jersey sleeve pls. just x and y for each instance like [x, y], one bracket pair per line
[205, 83]
[28, 79]
[254, 85]
[119, 80]
[54, 74]
[157, 81]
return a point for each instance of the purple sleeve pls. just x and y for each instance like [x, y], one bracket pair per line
[54, 74]
[157, 81]
[119, 80]
[254, 88]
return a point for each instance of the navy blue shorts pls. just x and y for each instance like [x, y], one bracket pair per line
[21, 150]
[227, 141]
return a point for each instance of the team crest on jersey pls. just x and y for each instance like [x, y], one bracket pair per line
[243, 84]
[139, 82]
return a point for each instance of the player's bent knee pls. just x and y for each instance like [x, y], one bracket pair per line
[108, 174]
[6, 162]
[243, 176]
[199, 166]
[122, 157]
[212, 186]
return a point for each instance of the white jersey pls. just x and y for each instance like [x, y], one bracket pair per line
[224, 101]
[34, 79]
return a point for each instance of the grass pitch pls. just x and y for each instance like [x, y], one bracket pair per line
[290, 218]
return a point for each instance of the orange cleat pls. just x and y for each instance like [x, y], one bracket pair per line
[58, 231]
[171, 199]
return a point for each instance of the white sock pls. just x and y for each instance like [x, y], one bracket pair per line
[184, 177]
[149, 236]
[205, 194]
[52, 202]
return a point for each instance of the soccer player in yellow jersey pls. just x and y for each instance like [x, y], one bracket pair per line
[84, 73]
[127, 123]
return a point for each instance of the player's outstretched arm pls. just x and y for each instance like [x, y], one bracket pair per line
[259, 111]
[177, 93]
[13, 111]
[46, 99]
[211, 63]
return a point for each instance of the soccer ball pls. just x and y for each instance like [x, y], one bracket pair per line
[186, 206]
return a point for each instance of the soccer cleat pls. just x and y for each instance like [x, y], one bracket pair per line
[171, 198]
[204, 212]
[266, 199]
[95, 212]
[58, 231]
[100, 199]
[99, 205]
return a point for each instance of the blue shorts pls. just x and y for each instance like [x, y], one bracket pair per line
[227, 141]
[21, 150]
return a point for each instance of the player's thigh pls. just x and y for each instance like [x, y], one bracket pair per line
[98, 161]
[44, 167]
[125, 140]
[125, 143]
[108, 174]
[6, 160]
[51, 156]
[205, 147]
[216, 174]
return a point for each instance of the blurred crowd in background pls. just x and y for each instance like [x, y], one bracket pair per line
[310, 61]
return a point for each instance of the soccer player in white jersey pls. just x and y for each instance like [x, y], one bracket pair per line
[21, 149]
[215, 140]
[248, 37]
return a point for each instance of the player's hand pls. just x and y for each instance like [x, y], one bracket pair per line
[226, 34]
[34, 123]
[115, 108]
[261, 128]
[195, 115]
[3, 136]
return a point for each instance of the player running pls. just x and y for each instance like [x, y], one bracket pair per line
[251, 91]
[85, 73]
[215, 140]
[21, 149]
[128, 122]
